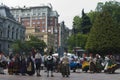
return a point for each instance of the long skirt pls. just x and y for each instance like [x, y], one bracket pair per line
[31, 69]
[85, 66]
[92, 67]
[65, 70]
[10, 68]
[110, 68]
[1, 70]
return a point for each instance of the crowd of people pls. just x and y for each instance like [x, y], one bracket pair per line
[32, 64]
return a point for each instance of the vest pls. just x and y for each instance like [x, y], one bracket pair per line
[65, 60]
[49, 59]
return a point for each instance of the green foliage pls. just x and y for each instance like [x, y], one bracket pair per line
[18, 46]
[113, 7]
[92, 15]
[81, 40]
[36, 43]
[71, 42]
[26, 46]
[104, 35]
[77, 24]
[77, 40]
[85, 23]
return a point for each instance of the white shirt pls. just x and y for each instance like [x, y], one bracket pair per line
[38, 56]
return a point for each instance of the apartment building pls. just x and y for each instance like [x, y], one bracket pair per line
[43, 18]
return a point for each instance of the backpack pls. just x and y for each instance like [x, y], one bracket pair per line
[50, 59]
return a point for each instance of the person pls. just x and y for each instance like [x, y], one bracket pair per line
[16, 64]
[38, 61]
[111, 65]
[23, 67]
[11, 66]
[30, 66]
[92, 66]
[98, 63]
[50, 60]
[85, 65]
[2, 60]
[65, 69]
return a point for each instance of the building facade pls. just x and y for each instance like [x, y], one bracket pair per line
[10, 30]
[48, 38]
[42, 17]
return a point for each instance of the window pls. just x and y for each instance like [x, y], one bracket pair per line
[43, 27]
[23, 14]
[38, 22]
[43, 14]
[0, 33]
[28, 23]
[51, 23]
[12, 32]
[33, 22]
[39, 17]
[16, 33]
[43, 22]
[8, 31]
[51, 19]
[38, 14]
[0, 46]
[43, 30]
[28, 14]
[34, 14]
[8, 46]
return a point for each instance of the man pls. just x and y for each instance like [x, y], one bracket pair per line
[38, 61]
[50, 60]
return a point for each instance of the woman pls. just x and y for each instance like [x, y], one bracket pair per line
[30, 66]
[23, 67]
[65, 69]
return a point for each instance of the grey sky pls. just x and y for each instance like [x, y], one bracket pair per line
[67, 9]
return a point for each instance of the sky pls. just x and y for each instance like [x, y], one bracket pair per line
[67, 9]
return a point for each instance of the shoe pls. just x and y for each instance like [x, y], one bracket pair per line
[52, 76]
[63, 75]
[67, 75]
[38, 75]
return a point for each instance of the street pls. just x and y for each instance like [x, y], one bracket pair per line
[57, 76]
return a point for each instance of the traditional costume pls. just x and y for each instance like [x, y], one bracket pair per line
[50, 61]
[65, 69]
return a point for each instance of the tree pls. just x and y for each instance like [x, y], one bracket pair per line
[71, 42]
[104, 35]
[36, 43]
[76, 24]
[113, 7]
[92, 15]
[77, 40]
[85, 23]
[81, 40]
[26, 46]
[99, 7]
[19, 46]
